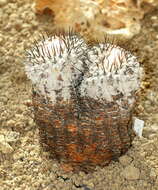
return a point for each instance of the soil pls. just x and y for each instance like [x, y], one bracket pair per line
[23, 164]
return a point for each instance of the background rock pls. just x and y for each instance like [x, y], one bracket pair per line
[97, 17]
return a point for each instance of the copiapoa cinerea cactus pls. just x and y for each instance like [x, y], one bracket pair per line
[83, 98]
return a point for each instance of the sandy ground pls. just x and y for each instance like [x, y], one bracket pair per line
[23, 164]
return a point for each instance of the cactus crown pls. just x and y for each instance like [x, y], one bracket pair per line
[60, 62]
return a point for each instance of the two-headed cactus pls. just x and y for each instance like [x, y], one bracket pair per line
[83, 98]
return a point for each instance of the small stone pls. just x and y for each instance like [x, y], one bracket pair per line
[12, 136]
[18, 26]
[3, 2]
[154, 127]
[91, 185]
[155, 117]
[11, 123]
[153, 174]
[125, 160]
[154, 18]
[2, 139]
[131, 173]
[5, 148]
[152, 136]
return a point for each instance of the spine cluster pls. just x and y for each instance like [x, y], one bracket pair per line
[55, 63]
[63, 62]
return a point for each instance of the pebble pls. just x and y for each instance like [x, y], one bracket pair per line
[154, 18]
[12, 136]
[155, 117]
[152, 136]
[11, 123]
[153, 174]
[4, 146]
[3, 2]
[2, 138]
[154, 127]
[131, 173]
[125, 160]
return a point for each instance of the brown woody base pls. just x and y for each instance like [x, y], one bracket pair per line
[85, 134]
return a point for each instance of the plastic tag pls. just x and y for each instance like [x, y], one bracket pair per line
[138, 126]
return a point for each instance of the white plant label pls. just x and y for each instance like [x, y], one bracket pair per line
[138, 126]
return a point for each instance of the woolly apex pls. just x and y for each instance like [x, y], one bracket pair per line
[113, 72]
[62, 63]
[53, 63]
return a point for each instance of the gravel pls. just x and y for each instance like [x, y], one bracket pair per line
[23, 164]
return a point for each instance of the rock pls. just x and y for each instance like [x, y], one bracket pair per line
[150, 131]
[3, 2]
[1, 137]
[131, 173]
[125, 160]
[89, 185]
[10, 123]
[4, 146]
[155, 117]
[124, 19]
[12, 136]
[154, 127]
[154, 18]
[153, 174]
